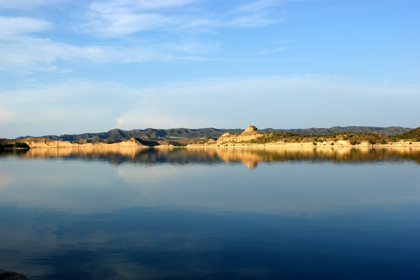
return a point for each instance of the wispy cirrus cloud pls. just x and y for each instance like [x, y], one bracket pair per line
[262, 5]
[23, 50]
[12, 26]
[120, 18]
[28, 54]
[141, 5]
[40, 54]
[27, 46]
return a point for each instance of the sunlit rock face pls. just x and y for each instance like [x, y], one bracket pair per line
[250, 130]
[249, 134]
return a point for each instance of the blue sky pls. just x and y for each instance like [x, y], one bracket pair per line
[90, 66]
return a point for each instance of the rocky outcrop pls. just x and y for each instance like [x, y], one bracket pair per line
[249, 134]
[250, 130]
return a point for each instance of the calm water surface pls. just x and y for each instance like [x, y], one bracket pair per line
[211, 213]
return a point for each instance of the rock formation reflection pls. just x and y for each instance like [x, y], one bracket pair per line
[249, 156]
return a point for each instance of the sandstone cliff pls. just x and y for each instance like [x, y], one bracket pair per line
[48, 143]
[249, 134]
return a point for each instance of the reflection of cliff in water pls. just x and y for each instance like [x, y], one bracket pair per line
[119, 156]
[250, 156]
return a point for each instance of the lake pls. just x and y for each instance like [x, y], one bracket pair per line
[211, 213]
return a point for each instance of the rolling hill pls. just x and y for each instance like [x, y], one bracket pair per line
[177, 134]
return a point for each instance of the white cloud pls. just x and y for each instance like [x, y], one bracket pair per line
[24, 50]
[278, 102]
[10, 26]
[121, 18]
[262, 5]
[115, 25]
[29, 53]
[140, 5]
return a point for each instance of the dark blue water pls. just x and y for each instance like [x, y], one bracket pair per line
[205, 215]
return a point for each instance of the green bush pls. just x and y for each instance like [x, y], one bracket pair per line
[6, 145]
[372, 142]
[384, 142]
[354, 142]
[15, 145]
[21, 145]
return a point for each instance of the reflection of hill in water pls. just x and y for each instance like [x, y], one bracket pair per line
[250, 156]
[118, 156]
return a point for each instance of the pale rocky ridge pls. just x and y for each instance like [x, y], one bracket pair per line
[251, 136]
[185, 133]
[250, 133]
[48, 143]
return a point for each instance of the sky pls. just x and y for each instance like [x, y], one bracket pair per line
[69, 67]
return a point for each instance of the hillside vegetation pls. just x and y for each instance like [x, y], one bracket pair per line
[411, 134]
[353, 138]
[252, 136]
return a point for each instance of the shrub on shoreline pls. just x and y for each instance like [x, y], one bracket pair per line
[15, 145]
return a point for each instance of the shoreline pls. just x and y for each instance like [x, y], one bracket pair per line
[250, 138]
[309, 145]
[193, 146]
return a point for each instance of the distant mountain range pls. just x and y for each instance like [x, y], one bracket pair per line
[176, 134]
